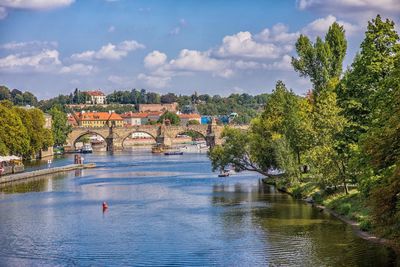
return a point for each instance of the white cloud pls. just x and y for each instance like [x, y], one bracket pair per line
[109, 51]
[193, 60]
[79, 69]
[154, 81]
[390, 6]
[279, 34]
[155, 59]
[3, 13]
[35, 4]
[320, 26]
[285, 64]
[46, 60]
[243, 45]
[29, 46]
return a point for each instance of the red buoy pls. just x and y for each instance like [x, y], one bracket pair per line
[105, 206]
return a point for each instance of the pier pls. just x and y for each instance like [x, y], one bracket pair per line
[7, 179]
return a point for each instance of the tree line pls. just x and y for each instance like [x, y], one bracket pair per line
[341, 141]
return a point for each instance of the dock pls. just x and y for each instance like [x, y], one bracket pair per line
[6, 179]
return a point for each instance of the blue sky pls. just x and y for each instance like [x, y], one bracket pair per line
[216, 47]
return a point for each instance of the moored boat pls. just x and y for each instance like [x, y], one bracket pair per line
[87, 149]
[173, 153]
[223, 174]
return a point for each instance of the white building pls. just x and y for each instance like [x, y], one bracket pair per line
[96, 97]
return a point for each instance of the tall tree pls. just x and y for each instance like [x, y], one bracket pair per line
[13, 134]
[60, 127]
[321, 61]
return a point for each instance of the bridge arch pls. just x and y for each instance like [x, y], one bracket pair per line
[136, 131]
[76, 138]
[193, 134]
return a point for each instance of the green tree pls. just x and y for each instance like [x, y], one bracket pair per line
[236, 151]
[361, 93]
[34, 122]
[321, 61]
[4, 93]
[13, 134]
[172, 117]
[193, 122]
[60, 127]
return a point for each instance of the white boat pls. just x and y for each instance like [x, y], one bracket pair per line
[87, 148]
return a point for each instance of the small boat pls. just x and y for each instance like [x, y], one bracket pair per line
[173, 153]
[157, 149]
[223, 174]
[87, 149]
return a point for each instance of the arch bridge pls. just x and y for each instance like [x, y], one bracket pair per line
[115, 136]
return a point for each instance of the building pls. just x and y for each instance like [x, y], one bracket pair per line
[132, 118]
[154, 116]
[98, 119]
[96, 97]
[185, 118]
[172, 107]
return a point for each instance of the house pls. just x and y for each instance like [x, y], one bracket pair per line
[98, 119]
[154, 116]
[95, 97]
[185, 118]
[132, 118]
[172, 107]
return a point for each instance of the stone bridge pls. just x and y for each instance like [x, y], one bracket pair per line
[115, 136]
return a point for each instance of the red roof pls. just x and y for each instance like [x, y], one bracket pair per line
[97, 116]
[134, 115]
[95, 93]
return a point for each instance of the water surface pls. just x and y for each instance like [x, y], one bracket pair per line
[169, 211]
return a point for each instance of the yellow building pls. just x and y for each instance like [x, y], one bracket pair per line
[98, 119]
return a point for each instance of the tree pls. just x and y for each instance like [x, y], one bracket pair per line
[193, 122]
[4, 93]
[172, 117]
[236, 151]
[360, 92]
[34, 122]
[13, 134]
[169, 98]
[321, 61]
[60, 127]
[29, 99]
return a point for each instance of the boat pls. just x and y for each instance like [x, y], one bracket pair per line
[157, 149]
[223, 174]
[173, 153]
[87, 149]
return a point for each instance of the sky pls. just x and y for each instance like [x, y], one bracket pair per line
[51, 47]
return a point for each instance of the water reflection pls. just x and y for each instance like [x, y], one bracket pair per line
[169, 211]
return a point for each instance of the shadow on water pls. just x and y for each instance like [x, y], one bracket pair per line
[294, 233]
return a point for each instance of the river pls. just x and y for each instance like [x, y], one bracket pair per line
[169, 210]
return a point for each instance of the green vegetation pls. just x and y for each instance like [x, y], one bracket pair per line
[171, 117]
[60, 127]
[22, 130]
[339, 144]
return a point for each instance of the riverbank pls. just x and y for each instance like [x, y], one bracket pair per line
[344, 207]
[7, 179]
